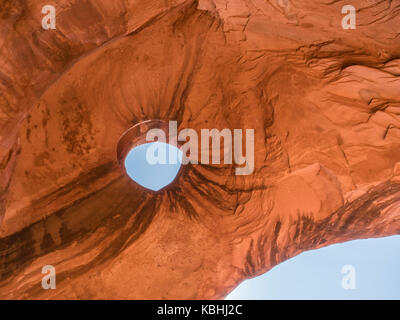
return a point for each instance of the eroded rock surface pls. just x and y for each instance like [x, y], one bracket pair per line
[324, 103]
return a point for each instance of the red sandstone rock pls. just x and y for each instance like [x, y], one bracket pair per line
[324, 103]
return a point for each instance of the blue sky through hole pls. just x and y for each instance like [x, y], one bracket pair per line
[152, 176]
[317, 274]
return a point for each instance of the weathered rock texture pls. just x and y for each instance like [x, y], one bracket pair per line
[324, 103]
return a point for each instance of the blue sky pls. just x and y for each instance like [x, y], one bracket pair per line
[153, 176]
[317, 274]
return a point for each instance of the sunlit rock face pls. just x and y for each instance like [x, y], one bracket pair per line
[324, 103]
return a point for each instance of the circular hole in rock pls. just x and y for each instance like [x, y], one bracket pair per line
[152, 165]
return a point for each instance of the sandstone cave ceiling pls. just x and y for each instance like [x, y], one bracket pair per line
[324, 103]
